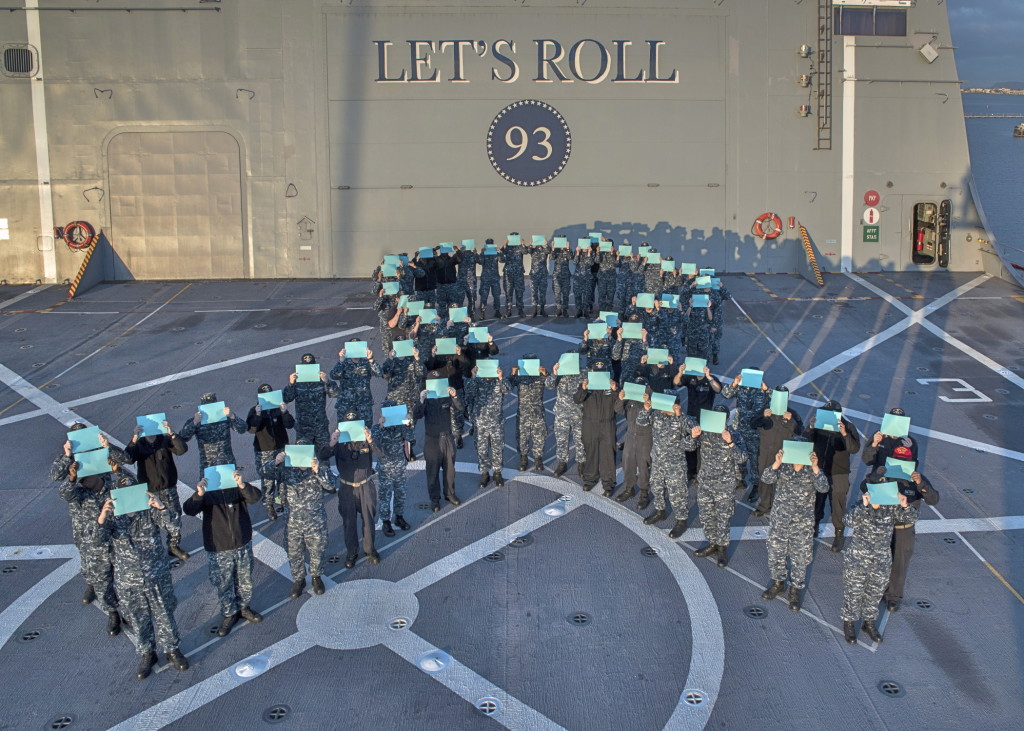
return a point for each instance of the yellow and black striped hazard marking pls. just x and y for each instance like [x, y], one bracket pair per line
[913, 295]
[809, 251]
[85, 262]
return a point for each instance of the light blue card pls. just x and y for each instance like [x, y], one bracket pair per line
[645, 300]
[687, 268]
[355, 349]
[826, 420]
[796, 452]
[597, 330]
[671, 301]
[213, 413]
[529, 367]
[716, 283]
[751, 378]
[487, 368]
[632, 331]
[625, 250]
[883, 493]
[515, 240]
[899, 469]
[428, 316]
[478, 334]
[569, 364]
[391, 288]
[490, 250]
[447, 247]
[539, 239]
[152, 424]
[598, 380]
[712, 422]
[458, 314]
[560, 242]
[395, 415]
[657, 356]
[699, 300]
[595, 235]
[611, 319]
[780, 402]
[393, 260]
[668, 266]
[634, 391]
[653, 257]
[642, 251]
[404, 258]
[403, 300]
[220, 477]
[131, 499]
[93, 462]
[403, 348]
[426, 252]
[663, 402]
[694, 366]
[307, 372]
[271, 399]
[605, 246]
[583, 243]
[437, 388]
[707, 272]
[388, 270]
[469, 244]
[703, 282]
[83, 440]
[351, 431]
[414, 307]
[445, 346]
[301, 455]
[895, 426]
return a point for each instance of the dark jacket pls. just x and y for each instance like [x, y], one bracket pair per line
[154, 457]
[833, 449]
[269, 428]
[226, 522]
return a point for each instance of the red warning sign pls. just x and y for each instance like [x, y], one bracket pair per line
[871, 198]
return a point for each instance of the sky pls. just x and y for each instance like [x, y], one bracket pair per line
[989, 35]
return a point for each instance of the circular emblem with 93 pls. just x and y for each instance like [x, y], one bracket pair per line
[528, 143]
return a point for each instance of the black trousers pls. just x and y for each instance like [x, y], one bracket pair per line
[358, 505]
[902, 549]
[599, 445]
[839, 488]
[439, 454]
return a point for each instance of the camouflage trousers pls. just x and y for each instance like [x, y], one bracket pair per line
[468, 292]
[531, 427]
[750, 441]
[312, 426]
[490, 444]
[268, 481]
[170, 519]
[569, 425]
[698, 343]
[636, 463]
[583, 292]
[716, 507]
[231, 576]
[515, 289]
[390, 484]
[489, 286]
[793, 541]
[562, 287]
[149, 607]
[306, 531]
[98, 570]
[385, 336]
[669, 474]
[606, 291]
[448, 295]
[865, 574]
[539, 291]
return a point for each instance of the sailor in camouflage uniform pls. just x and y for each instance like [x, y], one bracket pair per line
[583, 279]
[531, 427]
[404, 377]
[227, 538]
[671, 435]
[629, 352]
[484, 397]
[597, 350]
[607, 266]
[490, 282]
[85, 498]
[351, 378]
[142, 578]
[154, 459]
[467, 278]
[790, 532]
[213, 439]
[302, 489]
[561, 279]
[515, 272]
[869, 559]
[717, 296]
[636, 452]
[395, 447]
[539, 254]
[269, 428]
[716, 479]
[568, 418]
[751, 403]
[698, 332]
[310, 405]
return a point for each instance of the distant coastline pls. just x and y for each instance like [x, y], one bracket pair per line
[1001, 90]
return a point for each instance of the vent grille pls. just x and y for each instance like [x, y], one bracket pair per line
[19, 60]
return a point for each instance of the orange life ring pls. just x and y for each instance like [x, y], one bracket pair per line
[773, 231]
[78, 235]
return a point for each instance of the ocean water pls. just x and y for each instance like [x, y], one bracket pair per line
[997, 159]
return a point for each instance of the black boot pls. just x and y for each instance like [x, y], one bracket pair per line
[271, 511]
[485, 480]
[625, 495]
[644, 501]
[373, 557]
[179, 661]
[524, 462]
[579, 469]
[522, 313]
[714, 360]
[298, 586]
[850, 632]
[454, 499]
[678, 529]
[794, 598]
[318, 586]
[499, 480]
[609, 490]
[146, 664]
[534, 311]
[560, 469]
[774, 590]
[508, 310]
[229, 621]
[497, 313]
[723, 559]
[871, 630]
[400, 522]
[89, 596]
[656, 517]
[250, 616]
[559, 312]
[538, 465]
[174, 549]
[483, 315]
[113, 624]
[387, 530]
[706, 551]
[350, 559]
[837, 543]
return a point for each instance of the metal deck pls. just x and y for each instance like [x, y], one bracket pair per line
[579, 626]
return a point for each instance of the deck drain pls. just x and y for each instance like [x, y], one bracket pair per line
[891, 688]
[864, 395]
[649, 551]
[495, 557]
[565, 498]
[871, 332]
[250, 380]
[818, 317]
[754, 611]
[949, 540]
[937, 349]
[1002, 391]
[20, 329]
[32, 634]
[176, 406]
[40, 365]
[924, 605]
[838, 370]
[174, 563]
[488, 706]
[277, 713]
[259, 326]
[25, 347]
[51, 386]
[910, 393]
[423, 506]
[8, 569]
[990, 417]
[694, 697]
[968, 490]
[521, 541]
[811, 394]
[399, 623]
[578, 619]
[214, 628]
[178, 329]
[60, 722]
[336, 558]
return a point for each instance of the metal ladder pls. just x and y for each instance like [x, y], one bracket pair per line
[823, 75]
